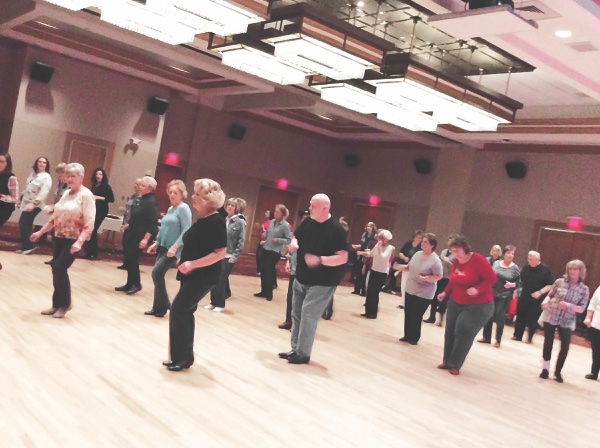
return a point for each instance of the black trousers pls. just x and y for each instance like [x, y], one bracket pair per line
[182, 324]
[565, 341]
[290, 295]
[268, 272]
[61, 262]
[414, 309]
[376, 281]
[131, 260]
[6, 210]
[26, 227]
[359, 277]
[594, 335]
[435, 303]
[218, 294]
[499, 318]
[528, 313]
[259, 256]
[91, 247]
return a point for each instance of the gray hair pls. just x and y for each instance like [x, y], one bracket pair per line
[533, 253]
[75, 168]
[150, 181]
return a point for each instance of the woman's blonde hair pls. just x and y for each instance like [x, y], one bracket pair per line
[283, 209]
[179, 185]
[210, 192]
[235, 203]
[496, 248]
[576, 264]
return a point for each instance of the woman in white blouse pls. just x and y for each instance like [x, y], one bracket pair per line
[73, 222]
[381, 254]
[592, 320]
[33, 200]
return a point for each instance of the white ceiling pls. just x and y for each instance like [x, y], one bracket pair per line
[562, 94]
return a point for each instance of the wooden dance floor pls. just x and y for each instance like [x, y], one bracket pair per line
[94, 378]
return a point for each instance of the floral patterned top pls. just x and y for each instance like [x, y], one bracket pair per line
[577, 294]
[74, 213]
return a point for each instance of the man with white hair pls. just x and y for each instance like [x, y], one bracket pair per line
[536, 280]
[322, 252]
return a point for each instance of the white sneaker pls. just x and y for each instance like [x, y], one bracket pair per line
[29, 251]
[208, 307]
[18, 251]
[218, 309]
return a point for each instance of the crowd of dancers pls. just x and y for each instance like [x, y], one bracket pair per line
[471, 291]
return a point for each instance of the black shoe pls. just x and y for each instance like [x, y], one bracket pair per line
[269, 299]
[403, 339]
[179, 366]
[49, 261]
[122, 267]
[544, 374]
[368, 316]
[260, 294]
[514, 338]
[363, 294]
[155, 313]
[558, 377]
[412, 342]
[90, 257]
[133, 290]
[123, 288]
[167, 363]
[431, 320]
[287, 355]
[298, 359]
[355, 292]
[591, 376]
[327, 314]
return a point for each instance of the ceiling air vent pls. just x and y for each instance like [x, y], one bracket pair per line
[583, 47]
[535, 10]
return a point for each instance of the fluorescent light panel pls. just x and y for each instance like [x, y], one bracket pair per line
[351, 97]
[261, 64]
[408, 119]
[74, 5]
[136, 17]
[215, 16]
[319, 57]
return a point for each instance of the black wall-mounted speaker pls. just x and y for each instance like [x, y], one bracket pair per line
[423, 166]
[41, 72]
[474, 4]
[157, 105]
[236, 131]
[516, 170]
[351, 160]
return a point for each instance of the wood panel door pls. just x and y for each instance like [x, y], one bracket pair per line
[557, 247]
[92, 153]
[361, 214]
[267, 199]
[164, 175]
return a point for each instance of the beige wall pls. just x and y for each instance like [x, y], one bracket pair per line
[89, 101]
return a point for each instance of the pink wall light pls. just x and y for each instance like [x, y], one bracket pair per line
[172, 159]
[282, 184]
[373, 200]
[574, 223]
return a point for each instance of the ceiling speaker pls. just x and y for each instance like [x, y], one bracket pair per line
[516, 170]
[236, 131]
[41, 72]
[351, 160]
[423, 166]
[474, 4]
[157, 105]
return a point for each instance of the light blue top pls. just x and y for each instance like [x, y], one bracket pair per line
[173, 225]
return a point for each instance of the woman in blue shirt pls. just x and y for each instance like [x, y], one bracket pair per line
[168, 244]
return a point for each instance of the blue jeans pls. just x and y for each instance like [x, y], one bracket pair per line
[161, 267]
[308, 304]
[463, 322]
[26, 227]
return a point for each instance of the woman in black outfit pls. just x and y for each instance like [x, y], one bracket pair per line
[9, 189]
[367, 241]
[104, 196]
[143, 225]
[204, 246]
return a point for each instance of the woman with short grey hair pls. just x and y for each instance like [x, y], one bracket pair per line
[72, 221]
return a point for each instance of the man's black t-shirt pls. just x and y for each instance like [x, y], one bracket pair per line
[202, 238]
[534, 279]
[322, 239]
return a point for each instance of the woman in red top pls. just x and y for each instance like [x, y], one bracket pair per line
[470, 303]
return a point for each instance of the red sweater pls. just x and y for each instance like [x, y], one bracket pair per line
[475, 273]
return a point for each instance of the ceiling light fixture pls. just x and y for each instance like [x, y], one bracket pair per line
[563, 33]
[359, 99]
[74, 5]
